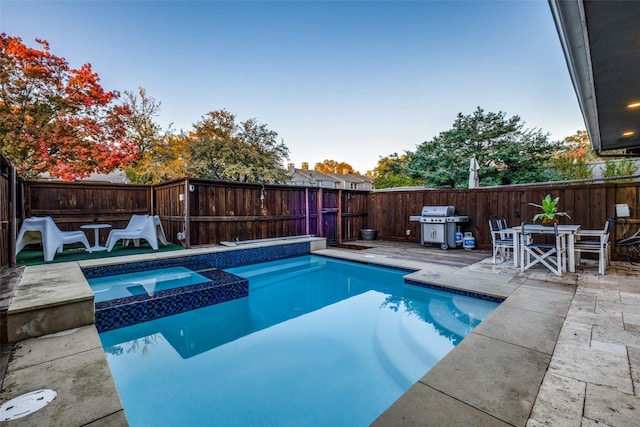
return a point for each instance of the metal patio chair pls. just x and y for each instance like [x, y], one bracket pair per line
[501, 238]
[599, 244]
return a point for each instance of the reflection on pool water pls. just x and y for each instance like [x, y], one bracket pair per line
[143, 282]
[317, 342]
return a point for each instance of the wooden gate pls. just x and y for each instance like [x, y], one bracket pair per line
[329, 210]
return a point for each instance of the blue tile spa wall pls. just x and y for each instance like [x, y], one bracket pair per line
[225, 259]
[455, 291]
[127, 311]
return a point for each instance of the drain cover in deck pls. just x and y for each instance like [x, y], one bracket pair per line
[26, 404]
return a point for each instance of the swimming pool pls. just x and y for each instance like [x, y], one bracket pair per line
[318, 341]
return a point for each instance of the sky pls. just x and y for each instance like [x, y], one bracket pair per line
[351, 81]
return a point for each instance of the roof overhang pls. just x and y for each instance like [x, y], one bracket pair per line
[601, 44]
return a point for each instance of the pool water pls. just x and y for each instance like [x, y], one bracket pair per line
[317, 342]
[143, 282]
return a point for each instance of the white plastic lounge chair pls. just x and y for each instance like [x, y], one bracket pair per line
[139, 227]
[159, 232]
[44, 230]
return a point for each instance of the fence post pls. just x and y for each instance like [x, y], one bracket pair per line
[152, 189]
[186, 214]
[320, 219]
[12, 215]
[339, 219]
[306, 210]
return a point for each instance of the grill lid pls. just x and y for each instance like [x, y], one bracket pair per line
[439, 211]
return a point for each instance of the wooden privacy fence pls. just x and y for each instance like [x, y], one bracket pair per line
[588, 205]
[201, 212]
[197, 212]
[214, 211]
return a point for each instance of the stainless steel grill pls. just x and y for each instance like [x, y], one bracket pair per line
[438, 225]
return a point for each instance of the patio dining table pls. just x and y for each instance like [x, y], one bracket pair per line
[568, 231]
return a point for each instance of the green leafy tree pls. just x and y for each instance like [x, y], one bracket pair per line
[392, 171]
[507, 153]
[624, 167]
[245, 152]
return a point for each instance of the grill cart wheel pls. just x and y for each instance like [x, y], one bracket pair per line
[444, 246]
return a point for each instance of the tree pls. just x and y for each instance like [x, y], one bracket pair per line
[57, 119]
[571, 159]
[166, 158]
[162, 155]
[580, 141]
[246, 152]
[392, 171]
[332, 166]
[624, 167]
[140, 124]
[506, 152]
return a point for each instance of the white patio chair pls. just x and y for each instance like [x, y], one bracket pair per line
[159, 232]
[44, 230]
[537, 250]
[139, 227]
[599, 244]
[501, 239]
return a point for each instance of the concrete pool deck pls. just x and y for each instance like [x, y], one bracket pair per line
[558, 351]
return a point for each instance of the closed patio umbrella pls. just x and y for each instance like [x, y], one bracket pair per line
[474, 180]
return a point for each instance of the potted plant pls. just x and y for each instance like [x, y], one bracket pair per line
[549, 214]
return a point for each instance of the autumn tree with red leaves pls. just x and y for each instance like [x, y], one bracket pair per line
[57, 119]
[571, 160]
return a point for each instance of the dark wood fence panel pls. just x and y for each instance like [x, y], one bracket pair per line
[72, 205]
[225, 211]
[329, 215]
[6, 210]
[311, 198]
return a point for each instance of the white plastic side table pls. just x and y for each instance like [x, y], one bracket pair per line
[96, 236]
